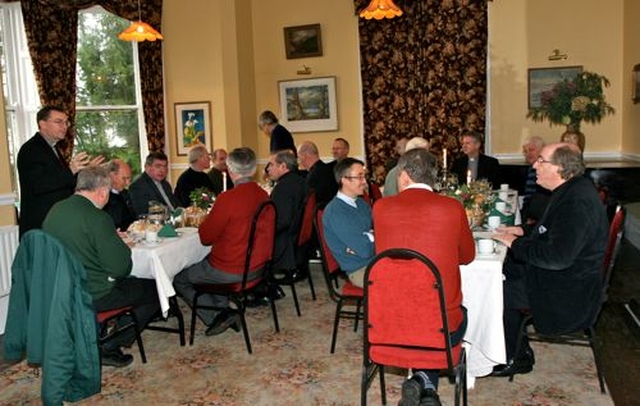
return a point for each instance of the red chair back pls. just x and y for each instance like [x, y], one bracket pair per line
[261, 240]
[616, 229]
[306, 226]
[327, 258]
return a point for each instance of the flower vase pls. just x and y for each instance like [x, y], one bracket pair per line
[194, 216]
[476, 216]
[573, 135]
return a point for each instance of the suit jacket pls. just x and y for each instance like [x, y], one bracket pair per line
[288, 195]
[188, 181]
[488, 168]
[215, 175]
[44, 180]
[120, 209]
[143, 190]
[433, 225]
[320, 178]
[281, 139]
[561, 259]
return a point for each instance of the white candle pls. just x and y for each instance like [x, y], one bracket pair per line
[224, 181]
[468, 176]
[444, 158]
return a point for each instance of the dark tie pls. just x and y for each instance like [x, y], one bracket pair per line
[61, 159]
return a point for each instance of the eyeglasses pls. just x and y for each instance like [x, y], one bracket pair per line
[541, 160]
[358, 177]
[60, 121]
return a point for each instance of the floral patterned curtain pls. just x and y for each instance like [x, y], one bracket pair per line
[51, 27]
[423, 74]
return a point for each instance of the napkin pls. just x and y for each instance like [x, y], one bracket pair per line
[506, 219]
[167, 231]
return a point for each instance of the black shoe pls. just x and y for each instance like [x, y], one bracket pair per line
[115, 358]
[222, 322]
[430, 398]
[275, 292]
[521, 365]
[412, 392]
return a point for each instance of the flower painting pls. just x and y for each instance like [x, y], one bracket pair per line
[192, 126]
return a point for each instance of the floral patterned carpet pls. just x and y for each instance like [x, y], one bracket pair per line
[294, 367]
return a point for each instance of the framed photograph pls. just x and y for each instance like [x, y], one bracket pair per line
[543, 79]
[193, 125]
[308, 105]
[635, 94]
[303, 41]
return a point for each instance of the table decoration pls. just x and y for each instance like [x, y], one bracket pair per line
[201, 201]
[476, 198]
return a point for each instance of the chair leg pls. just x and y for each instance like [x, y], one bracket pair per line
[336, 321]
[143, 355]
[174, 309]
[368, 372]
[313, 291]
[245, 330]
[295, 298]
[274, 313]
[358, 306]
[591, 333]
[194, 306]
[383, 388]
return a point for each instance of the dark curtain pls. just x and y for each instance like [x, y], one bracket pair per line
[423, 74]
[52, 35]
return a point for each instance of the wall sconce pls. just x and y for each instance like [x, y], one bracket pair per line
[305, 71]
[556, 55]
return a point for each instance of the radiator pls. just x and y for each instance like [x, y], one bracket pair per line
[8, 247]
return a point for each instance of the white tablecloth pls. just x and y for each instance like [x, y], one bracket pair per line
[482, 296]
[163, 261]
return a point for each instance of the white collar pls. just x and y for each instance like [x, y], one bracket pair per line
[347, 199]
[419, 186]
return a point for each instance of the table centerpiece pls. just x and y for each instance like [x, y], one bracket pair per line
[476, 198]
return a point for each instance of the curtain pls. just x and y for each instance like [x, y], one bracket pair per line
[52, 36]
[423, 74]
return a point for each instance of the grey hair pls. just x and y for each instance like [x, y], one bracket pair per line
[569, 159]
[196, 153]
[288, 158]
[416, 142]
[267, 117]
[242, 161]
[93, 178]
[420, 164]
[473, 134]
[308, 147]
[535, 140]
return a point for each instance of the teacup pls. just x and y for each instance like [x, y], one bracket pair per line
[486, 246]
[501, 207]
[493, 222]
[504, 187]
[151, 236]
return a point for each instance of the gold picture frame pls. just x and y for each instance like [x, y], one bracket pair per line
[303, 41]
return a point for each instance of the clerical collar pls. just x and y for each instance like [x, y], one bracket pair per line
[347, 199]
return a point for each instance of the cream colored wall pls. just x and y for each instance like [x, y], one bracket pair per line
[7, 210]
[631, 57]
[522, 35]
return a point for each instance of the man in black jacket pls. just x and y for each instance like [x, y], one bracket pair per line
[475, 165]
[554, 267]
[119, 204]
[320, 175]
[152, 185]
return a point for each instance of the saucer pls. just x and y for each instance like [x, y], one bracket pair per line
[487, 255]
[153, 244]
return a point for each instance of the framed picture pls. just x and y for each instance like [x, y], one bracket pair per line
[193, 125]
[308, 105]
[543, 79]
[303, 41]
[635, 94]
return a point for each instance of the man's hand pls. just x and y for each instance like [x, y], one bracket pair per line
[82, 160]
[507, 235]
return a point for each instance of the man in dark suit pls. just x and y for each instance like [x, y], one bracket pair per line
[45, 176]
[475, 163]
[119, 205]
[279, 137]
[195, 176]
[152, 185]
[288, 195]
[320, 175]
[219, 173]
[554, 266]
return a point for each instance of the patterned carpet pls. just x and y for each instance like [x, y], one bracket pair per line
[294, 367]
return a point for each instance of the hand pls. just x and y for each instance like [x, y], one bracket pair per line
[505, 238]
[513, 230]
[82, 160]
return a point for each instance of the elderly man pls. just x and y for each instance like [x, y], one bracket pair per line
[88, 232]
[448, 243]
[195, 176]
[554, 267]
[347, 221]
[218, 173]
[320, 175]
[279, 137]
[152, 185]
[391, 181]
[226, 229]
[288, 194]
[475, 163]
[45, 176]
[535, 197]
[119, 205]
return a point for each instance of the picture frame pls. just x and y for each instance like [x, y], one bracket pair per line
[193, 125]
[308, 105]
[303, 41]
[543, 79]
[635, 94]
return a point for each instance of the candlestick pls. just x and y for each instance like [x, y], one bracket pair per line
[444, 158]
[224, 181]
[468, 176]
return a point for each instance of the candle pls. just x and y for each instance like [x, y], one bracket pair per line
[444, 158]
[224, 181]
[468, 176]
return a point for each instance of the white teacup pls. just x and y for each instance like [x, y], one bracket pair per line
[501, 207]
[493, 222]
[504, 187]
[151, 236]
[486, 246]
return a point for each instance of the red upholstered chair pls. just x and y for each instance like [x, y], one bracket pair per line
[405, 319]
[261, 238]
[349, 295]
[108, 319]
[586, 337]
[372, 193]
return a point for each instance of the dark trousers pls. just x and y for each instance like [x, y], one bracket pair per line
[515, 299]
[141, 294]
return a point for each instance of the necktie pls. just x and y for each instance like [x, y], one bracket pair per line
[164, 195]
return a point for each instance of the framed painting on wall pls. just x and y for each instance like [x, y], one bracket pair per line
[543, 79]
[308, 105]
[303, 41]
[193, 125]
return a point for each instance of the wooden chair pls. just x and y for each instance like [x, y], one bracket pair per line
[406, 321]
[264, 222]
[108, 322]
[349, 295]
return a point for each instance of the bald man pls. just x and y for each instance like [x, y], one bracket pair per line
[119, 205]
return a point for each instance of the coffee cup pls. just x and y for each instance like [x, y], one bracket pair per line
[486, 246]
[504, 187]
[151, 236]
[501, 207]
[494, 222]
[504, 196]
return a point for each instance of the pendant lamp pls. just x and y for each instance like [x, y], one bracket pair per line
[140, 31]
[380, 9]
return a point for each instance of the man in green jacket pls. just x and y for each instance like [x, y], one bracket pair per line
[88, 232]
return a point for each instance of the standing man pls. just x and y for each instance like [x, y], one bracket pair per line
[289, 195]
[448, 243]
[226, 229]
[480, 165]
[218, 172]
[119, 205]
[320, 175]
[195, 176]
[280, 137]
[347, 221]
[88, 232]
[554, 267]
[152, 185]
[339, 150]
[535, 197]
[45, 177]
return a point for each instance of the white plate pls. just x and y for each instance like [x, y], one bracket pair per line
[153, 244]
[487, 256]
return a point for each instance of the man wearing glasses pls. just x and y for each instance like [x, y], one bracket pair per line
[347, 221]
[45, 175]
[554, 266]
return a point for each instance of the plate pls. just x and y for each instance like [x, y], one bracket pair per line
[153, 244]
[486, 256]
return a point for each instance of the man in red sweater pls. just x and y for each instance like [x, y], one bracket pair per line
[226, 230]
[436, 226]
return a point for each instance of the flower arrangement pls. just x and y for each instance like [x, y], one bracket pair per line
[476, 198]
[202, 198]
[572, 101]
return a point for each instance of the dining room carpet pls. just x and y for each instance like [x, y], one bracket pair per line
[294, 367]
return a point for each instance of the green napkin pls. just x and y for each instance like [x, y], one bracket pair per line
[506, 219]
[167, 231]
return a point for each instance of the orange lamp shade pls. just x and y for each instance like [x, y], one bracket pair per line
[380, 9]
[140, 31]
